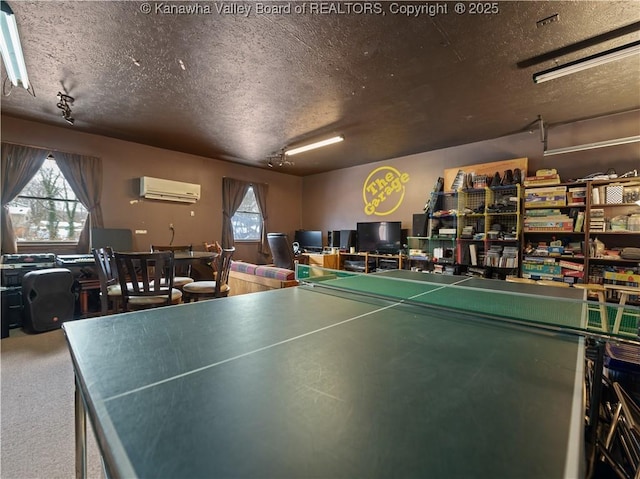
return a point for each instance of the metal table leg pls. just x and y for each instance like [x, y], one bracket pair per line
[81, 435]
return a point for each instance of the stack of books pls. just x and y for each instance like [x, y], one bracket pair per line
[500, 257]
[509, 257]
[492, 257]
[577, 196]
[596, 219]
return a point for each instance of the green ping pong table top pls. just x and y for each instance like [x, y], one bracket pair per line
[311, 382]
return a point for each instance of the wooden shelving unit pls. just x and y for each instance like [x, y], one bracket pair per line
[371, 261]
[604, 216]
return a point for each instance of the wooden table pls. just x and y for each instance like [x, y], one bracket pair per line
[201, 268]
[87, 285]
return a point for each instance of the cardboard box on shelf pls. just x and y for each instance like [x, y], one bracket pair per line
[542, 269]
[614, 194]
[545, 197]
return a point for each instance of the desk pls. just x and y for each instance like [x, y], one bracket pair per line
[329, 261]
[312, 382]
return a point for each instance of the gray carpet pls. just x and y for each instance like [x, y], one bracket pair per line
[37, 409]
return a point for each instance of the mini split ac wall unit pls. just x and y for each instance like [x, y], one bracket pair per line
[168, 190]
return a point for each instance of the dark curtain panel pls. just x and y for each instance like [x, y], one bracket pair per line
[84, 174]
[261, 196]
[19, 165]
[233, 192]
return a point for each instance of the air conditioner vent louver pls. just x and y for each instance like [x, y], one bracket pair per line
[168, 190]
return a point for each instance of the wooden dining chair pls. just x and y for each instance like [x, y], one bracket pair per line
[214, 288]
[110, 292]
[182, 274]
[146, 279]
[213, 247]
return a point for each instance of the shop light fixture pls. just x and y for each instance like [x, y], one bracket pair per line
[11, 48]
[592, 146]
[598, 59]
[313, 146]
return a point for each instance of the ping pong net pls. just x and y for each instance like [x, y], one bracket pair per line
[533, 305]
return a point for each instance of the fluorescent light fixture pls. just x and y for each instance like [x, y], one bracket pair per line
[313, 146]
[11, 48]
[593, 146]
[598, 59]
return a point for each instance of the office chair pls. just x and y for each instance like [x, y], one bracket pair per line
[281, 250]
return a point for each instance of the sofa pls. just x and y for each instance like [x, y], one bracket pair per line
[252, 278]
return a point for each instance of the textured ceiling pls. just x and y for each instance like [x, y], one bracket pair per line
[392, 84]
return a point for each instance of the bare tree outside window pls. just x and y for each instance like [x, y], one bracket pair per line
[247, 221]
[47, 209]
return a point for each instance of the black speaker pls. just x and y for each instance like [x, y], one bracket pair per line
[420, 224]
[347, 239]
[334, 239]
[48, 299]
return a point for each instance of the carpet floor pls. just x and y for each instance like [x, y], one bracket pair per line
[37, 409]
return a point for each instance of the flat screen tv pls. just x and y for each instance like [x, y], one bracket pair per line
[309, 240]
[380, 237]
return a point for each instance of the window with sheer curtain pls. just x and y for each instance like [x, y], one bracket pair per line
[47, 210]
[247, 220]
[47, 196]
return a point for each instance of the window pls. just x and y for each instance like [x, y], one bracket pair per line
[247, 221]
[47, 210]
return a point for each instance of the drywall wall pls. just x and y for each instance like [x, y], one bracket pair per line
[125, 162]
[337, 199]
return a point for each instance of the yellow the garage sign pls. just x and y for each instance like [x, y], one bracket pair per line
[383, 190]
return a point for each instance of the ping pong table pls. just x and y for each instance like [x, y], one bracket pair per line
[345, 376]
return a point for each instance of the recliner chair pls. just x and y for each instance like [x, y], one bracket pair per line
[281, 250]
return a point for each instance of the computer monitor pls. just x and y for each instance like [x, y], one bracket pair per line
[333, 239]
[347, 239]
[309, 240]
[116, 239]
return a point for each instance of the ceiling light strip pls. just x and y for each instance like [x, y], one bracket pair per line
[313, 146]
[589, 62]
[592, 146]
[581, 45]
[11, 48]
